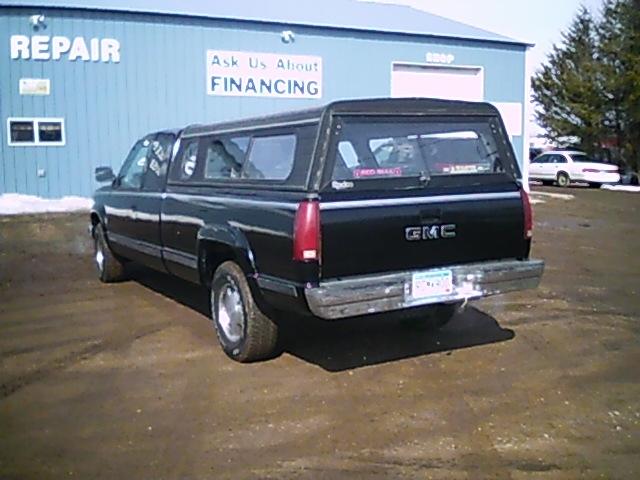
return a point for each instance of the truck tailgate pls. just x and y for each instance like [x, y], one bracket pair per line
[363, 235]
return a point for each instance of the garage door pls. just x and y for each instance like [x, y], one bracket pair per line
[451, 83]
[434, 81]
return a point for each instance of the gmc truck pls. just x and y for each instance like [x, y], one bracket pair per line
[407, 207]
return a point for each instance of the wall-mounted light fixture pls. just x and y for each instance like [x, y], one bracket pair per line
[287, 36]
[37, 21]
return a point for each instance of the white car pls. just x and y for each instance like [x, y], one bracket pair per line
[564, 167]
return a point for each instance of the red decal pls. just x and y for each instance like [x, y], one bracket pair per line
[372, 172]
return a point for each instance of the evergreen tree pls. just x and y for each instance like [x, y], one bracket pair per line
[619, 55]
[589, 88]
[566, 88]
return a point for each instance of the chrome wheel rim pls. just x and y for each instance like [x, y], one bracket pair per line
[99, 256]
[230, 314]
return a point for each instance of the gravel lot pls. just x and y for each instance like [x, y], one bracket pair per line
[127, 380]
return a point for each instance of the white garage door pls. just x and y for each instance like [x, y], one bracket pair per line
[434, 81]
[451, 83]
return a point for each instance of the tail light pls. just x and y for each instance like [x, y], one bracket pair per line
[306, 232]
[528, 214]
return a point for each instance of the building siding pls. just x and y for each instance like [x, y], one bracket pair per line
[160, 83]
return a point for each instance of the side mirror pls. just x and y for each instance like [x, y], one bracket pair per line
[104, 174]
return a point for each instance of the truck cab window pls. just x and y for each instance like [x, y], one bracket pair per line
[135, 165]
[158, 161]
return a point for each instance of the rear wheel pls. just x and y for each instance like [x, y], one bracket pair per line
[110, 268]
[244, 332]
[563, 180]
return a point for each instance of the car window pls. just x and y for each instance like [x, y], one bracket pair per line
[185, 164]
[224, 157]
[559, 159]
[399, 147]
[541, 159]
[134, 167]
[158, 161]
[581, 158]
[270, 158]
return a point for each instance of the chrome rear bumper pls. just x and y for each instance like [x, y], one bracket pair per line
[354, 296]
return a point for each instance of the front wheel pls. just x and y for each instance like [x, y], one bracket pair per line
[563, 180]
[244, 332]
[110, 268]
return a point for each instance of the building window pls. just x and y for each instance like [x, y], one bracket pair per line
[29, 132]
[50, 131]
[21, 132]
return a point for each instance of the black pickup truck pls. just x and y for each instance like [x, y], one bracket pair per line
[404, 207]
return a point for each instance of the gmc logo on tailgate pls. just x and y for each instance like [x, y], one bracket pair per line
[430, 232]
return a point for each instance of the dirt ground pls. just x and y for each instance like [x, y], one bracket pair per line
[127, 381]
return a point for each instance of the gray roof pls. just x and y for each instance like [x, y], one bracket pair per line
[340, 14]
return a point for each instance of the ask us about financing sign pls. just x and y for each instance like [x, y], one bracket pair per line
[252, 74]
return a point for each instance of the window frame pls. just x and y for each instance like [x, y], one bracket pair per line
[364, 184]
[254, 184]
[36, 131]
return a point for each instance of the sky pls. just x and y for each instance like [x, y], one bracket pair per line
[534, 21]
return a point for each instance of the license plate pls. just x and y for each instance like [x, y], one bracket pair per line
[431, 284]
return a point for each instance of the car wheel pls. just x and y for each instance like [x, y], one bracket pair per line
[563, 180]
[594, 185]
[110, 268]
[244, 332]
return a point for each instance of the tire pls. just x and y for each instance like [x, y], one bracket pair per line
[110, 269]
[594, 185]
[244, 332]
[433, 319]
[563, 180]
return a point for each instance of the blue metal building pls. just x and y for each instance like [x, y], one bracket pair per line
[80, 81]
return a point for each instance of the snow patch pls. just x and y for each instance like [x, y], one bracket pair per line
[17, 204]
[622, 188]
[534, 201]
[563, 196]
